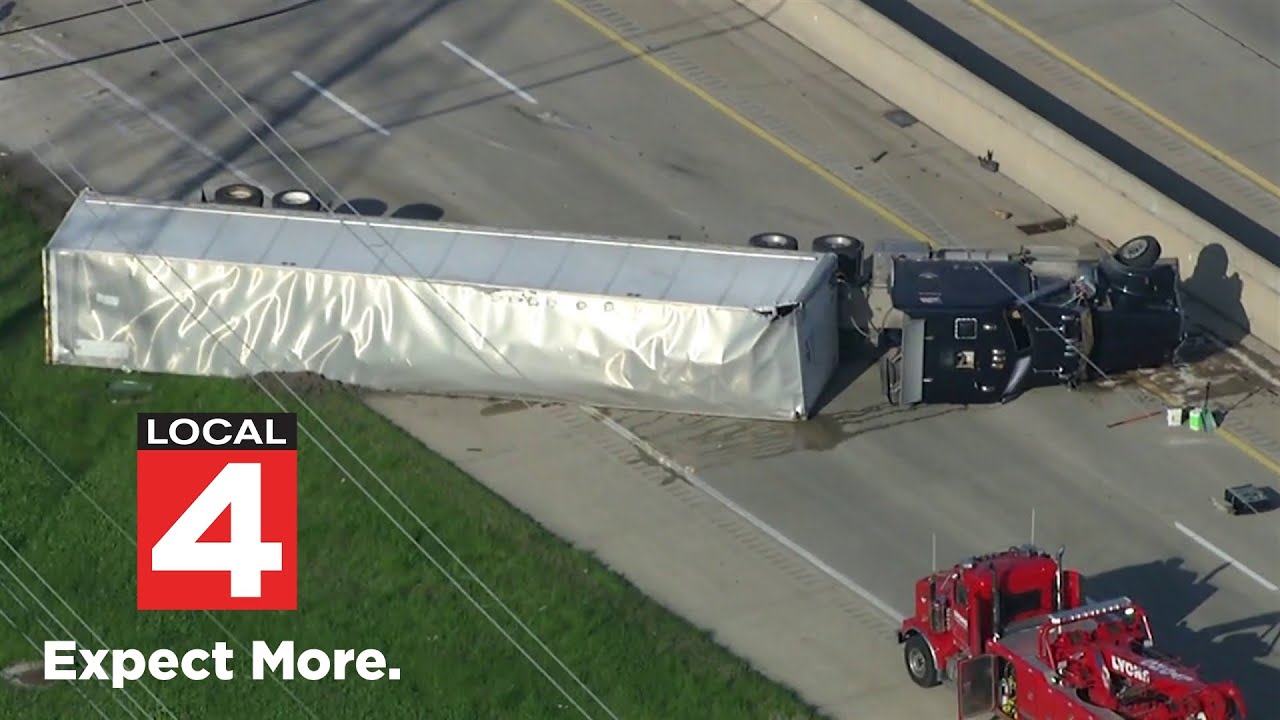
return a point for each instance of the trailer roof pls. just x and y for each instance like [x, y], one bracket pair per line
[468, 255]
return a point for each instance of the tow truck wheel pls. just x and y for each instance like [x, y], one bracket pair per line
[774, 241]
[1140, 252]
[919, 661]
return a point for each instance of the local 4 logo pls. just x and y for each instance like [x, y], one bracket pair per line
[217, 511]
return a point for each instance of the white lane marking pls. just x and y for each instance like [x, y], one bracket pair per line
[1225, 557]
[692, 478]
[155, 117]
[492, 74]
[351, 110]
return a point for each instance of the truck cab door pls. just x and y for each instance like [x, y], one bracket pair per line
[976, 679]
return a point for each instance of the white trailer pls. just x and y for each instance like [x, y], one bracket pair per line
[436, 308]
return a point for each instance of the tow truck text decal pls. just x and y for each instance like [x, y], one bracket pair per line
[1141, 670]
[1130, 669]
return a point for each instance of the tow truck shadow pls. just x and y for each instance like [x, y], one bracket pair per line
[1235, 650]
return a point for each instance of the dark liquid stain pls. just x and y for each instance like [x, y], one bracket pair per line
[721, 441]
[506, 407]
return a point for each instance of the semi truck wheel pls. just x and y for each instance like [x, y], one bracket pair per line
[1140, 252]
[774, 241]
[239, 194]
[295, 200]
[848, 251]
[919, 662]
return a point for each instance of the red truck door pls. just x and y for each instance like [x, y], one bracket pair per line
[976, 688]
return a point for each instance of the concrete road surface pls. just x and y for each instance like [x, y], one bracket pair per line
[796, 544]
[1183, 91]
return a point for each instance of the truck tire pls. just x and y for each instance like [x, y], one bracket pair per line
[918, 658]
[242, 194]
[295, 199]
[1132, 281]
[1140, 252]
[774, 241]
[848, 251]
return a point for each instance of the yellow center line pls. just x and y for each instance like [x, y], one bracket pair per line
[885, 213]
[814, 167]
[1062, 57]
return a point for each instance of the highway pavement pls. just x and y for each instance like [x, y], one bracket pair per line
[1182, 91]
[526, 114]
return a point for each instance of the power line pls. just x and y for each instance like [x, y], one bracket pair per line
[39, 649]
[67, 631]
[342, 468]
[343, 202]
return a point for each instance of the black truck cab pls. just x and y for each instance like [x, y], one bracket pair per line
[980, 332]
[985, 329]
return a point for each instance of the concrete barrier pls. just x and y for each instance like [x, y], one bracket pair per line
[1239, 284]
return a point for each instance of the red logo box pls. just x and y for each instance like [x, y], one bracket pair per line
[217, 511]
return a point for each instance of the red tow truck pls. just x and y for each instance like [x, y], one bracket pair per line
[1015, 634]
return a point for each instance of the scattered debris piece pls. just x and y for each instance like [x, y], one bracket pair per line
[127, 391]
[879, 156]
[1044, 226]
[988, 162]
[1240, 499]
[1133, 419]
[1001, 213]
[901, 118]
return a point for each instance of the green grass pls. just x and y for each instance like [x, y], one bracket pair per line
[361, 583]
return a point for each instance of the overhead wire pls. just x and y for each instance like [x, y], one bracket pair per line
[53, 463]
[342, 202]
[256, 380]
[67, 633]
[49, 632]
[951, 240]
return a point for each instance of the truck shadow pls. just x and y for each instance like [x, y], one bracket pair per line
[1210, 283]
[1235, 650]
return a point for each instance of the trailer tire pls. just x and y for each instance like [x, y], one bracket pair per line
[848, 251]
[296, 199]
[1140, 252]
[918, 657]
[774, 241]
[242, 194]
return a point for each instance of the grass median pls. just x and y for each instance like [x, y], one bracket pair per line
[67, 567]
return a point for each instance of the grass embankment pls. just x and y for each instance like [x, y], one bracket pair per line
[361, 583]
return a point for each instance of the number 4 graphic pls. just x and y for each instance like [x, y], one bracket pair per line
[239, 487]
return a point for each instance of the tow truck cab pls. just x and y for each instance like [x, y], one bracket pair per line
[960, 610]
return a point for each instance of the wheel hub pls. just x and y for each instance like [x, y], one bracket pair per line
[916, 662]
[1135, 249]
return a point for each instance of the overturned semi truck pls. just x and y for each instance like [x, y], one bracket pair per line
[243, 284]
[982, 326]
